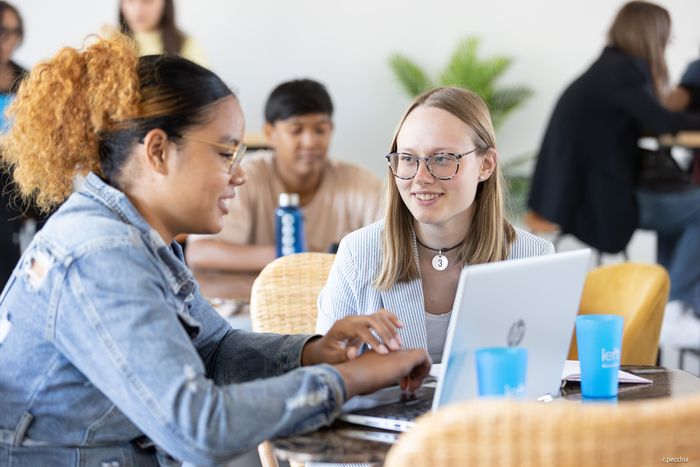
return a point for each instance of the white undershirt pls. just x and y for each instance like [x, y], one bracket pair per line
[436, 333]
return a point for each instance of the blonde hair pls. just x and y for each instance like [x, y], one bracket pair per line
[642, 30]
[490, 235]
[59, 111]
[85, 110]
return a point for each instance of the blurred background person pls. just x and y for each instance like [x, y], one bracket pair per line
[686, 96]
[682, 319]
[335, 197]
[17, 220]
[586, 175]
[152, 24]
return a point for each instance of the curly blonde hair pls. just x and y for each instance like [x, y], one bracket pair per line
[59, 112]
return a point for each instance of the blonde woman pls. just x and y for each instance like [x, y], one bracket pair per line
[444, 212]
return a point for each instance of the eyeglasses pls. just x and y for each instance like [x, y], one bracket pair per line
[13, 34]
[441, 165]
[237, 151]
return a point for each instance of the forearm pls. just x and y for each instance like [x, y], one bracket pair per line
[245, 356]
[677, 100]
[225, 256]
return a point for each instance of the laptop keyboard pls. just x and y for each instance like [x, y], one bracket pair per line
[404, 410]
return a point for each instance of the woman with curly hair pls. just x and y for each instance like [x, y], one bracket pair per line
[106, 344]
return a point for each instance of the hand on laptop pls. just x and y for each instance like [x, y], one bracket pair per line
[372, 371]
[344, 340]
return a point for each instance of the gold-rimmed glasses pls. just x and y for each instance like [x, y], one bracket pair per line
[234, 152]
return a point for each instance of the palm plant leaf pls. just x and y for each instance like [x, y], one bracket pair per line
[504, 100]
[411, 77]
[465, 69]
[511, 97]
[462, 62]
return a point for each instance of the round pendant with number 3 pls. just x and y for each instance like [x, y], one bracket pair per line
[439, 262]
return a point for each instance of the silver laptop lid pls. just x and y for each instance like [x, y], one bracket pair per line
[529, 303]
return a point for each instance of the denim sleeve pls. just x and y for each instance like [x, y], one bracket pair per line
[114, 324]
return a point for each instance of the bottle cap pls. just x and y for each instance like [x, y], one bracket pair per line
[289, 199]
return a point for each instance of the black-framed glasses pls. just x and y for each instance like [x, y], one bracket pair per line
[441, 165]
[234, 152]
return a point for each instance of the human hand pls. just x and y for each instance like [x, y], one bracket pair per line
[344, 340]
[372, 371]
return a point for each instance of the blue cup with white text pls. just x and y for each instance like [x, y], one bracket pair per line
[599, 341]
[501, 371]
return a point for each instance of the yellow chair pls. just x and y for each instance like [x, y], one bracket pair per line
[283, 300]
[505, 433]
[638, 292]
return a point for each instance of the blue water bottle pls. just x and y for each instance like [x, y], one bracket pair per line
[289, 225]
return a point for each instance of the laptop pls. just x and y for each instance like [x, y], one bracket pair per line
[530, 303]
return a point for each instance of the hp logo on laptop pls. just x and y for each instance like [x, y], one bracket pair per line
[516, 333]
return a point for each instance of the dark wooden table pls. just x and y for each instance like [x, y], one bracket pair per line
[340, 442]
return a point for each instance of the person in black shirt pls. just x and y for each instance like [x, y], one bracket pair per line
[13, 213]
[589, 163]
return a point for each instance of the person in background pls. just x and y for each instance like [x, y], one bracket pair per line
[444, 212]
[686, 96]
[16, 219]
[681, 325]
[106, 343]
[335, 197]
[586, 177]
[152, 24]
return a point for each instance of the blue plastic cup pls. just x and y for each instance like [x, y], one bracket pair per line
[501, 371]
[5, 100]
[599, 341]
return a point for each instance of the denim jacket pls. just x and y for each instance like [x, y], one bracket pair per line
[105, 339]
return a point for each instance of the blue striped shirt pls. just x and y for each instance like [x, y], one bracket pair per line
[349, 290]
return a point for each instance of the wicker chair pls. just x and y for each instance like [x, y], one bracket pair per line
[636, 291]
[563, 433]
[283, 300]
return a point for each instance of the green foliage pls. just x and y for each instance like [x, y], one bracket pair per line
[411, 76]
[516, 174]
[465, 69]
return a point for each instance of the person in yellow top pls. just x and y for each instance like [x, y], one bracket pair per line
[152, 25]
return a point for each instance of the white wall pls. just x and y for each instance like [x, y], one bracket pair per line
[256, 44]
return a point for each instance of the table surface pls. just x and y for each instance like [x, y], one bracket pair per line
[688, 139]
[337, 444]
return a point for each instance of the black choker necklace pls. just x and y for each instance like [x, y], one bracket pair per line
[439, 261]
